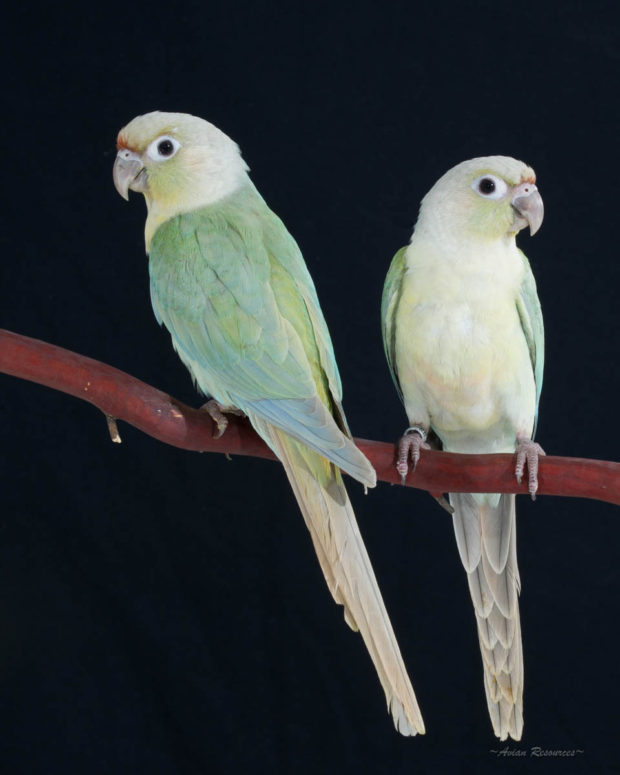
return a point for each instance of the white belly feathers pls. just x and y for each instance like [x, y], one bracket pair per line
[462, 354]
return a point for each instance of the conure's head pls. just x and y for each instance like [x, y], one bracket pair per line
[486, 198]
[179, 162]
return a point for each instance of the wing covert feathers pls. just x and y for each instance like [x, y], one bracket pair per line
[392, 290]
[346, 566]
[487, 542]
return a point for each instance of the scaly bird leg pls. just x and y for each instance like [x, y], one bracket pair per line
[215, 410]
[409, 446]
[528, 451]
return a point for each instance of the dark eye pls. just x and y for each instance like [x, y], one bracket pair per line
[490, 186]
[165, 148]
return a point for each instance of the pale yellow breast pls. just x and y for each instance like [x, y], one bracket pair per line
[459, 345]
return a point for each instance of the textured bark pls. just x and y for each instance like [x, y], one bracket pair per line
[121, 396]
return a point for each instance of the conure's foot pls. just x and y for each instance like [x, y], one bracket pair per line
[215, 410]
[528, 451]
[409, 446]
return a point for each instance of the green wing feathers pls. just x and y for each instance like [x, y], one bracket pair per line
[392, 290]
[530, 314]
[230, 284]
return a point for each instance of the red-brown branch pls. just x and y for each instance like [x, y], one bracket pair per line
[121, 396]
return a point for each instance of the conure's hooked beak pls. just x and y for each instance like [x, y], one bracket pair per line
[128, 173]
[529, 207]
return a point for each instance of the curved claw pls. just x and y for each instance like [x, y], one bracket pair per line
[528, 451]
[215, 411]
[409, 446]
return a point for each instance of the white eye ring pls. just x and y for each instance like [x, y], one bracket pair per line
[163, 148]
[490, 187]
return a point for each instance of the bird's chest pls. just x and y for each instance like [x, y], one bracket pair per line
[460, 344]
[462, 349]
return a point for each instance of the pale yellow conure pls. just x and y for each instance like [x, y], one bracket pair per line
[463, 334]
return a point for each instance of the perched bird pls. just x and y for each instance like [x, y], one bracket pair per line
[463, 335]
[230, 284]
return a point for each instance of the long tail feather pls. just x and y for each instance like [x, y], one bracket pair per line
[329, 516]
[488, 548]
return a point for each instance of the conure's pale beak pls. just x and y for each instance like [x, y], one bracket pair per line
[128, 173]
[529, 207]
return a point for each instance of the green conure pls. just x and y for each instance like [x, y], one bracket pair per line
[463, 334]
[230, 284]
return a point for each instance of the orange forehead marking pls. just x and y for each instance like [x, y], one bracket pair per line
[121, 142]
[529, 179]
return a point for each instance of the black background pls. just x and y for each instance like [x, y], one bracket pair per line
[162, 611]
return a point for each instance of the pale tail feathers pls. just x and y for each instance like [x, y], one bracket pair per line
[330, 519]
[310, 421]
[485, 528]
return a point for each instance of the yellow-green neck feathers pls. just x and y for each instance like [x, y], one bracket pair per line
[455, 208]
[204, 166]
